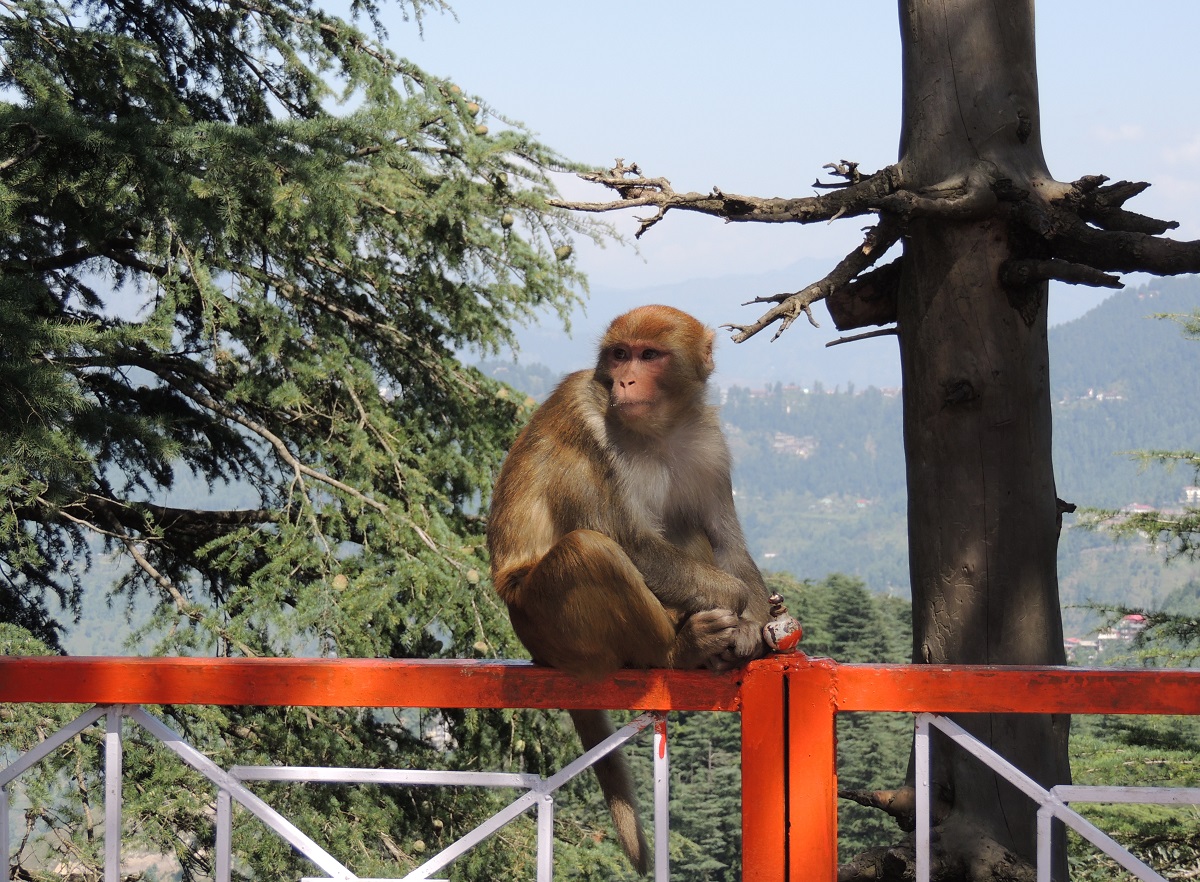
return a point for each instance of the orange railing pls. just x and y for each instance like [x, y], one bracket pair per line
[788, 707]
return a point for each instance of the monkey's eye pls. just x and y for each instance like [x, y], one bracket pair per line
[620, 354]
[650, 354]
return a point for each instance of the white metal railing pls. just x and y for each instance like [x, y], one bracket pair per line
[539, 795]
[1052, 803]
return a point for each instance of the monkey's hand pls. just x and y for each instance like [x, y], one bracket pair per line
[704, 636]
[746, 644]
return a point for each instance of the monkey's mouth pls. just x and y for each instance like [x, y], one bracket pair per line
[634, 406]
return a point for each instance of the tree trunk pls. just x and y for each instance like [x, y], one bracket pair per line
[983, 515]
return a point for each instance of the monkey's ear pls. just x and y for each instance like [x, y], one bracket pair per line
[706, 351]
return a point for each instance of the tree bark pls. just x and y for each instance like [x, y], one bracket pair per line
[982, 509]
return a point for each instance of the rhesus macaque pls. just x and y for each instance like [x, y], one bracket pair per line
[613, 536]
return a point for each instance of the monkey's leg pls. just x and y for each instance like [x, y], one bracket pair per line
[584, 608]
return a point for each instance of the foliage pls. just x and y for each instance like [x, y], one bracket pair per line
[241, 248]
[1138, 752]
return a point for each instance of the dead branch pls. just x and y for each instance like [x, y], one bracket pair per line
[870, 299]
[900, 803]
[1018, 273]
[963, 197]
[635, 191]
[1103, 206]
[868, 335]
[843, 169]
[1079, 233]
[790, 306]
[1061, 229]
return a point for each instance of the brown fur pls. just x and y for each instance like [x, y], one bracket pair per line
[613, 536]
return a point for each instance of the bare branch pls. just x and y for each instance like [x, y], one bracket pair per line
[1062, 230]
[1103, 206]
[120, 250]
[35, 143]
[133, 545]
[1017, 273]
[843, 169]
[879, 332]
[635, 191]
[876, 243]
[901, 803]
[1075, 241]
[190, 610]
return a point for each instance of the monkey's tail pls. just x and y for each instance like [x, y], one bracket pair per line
[616, 782]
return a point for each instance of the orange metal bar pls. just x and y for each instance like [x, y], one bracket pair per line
[764, 774]
[946, 689]
[467, 683]
[354, 683]
[788, 703]
[812, 772]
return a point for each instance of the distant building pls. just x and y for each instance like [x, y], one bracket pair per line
[1123, 632]
[793, 446]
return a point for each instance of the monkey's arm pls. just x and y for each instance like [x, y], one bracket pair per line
[731, 555]
[681, 581]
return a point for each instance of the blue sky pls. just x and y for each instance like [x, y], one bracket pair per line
[756, 99]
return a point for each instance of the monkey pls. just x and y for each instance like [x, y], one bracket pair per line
[612, 532]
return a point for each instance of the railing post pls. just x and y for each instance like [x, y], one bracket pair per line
[224, 841]
[112, 792]
[545, 828]
[4, 844]
[662, 802]
[924, 794]
[812, 771]
[764, 771]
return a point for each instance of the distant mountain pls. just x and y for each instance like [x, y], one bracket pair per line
[800, 355]
[1120, 345]
[1123, 380]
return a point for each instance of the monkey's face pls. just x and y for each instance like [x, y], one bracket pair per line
[654, 362]
[635, 374]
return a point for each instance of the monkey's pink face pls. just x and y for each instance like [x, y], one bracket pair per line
[637, 373]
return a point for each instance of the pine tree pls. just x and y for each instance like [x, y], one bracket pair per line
[243, 247]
